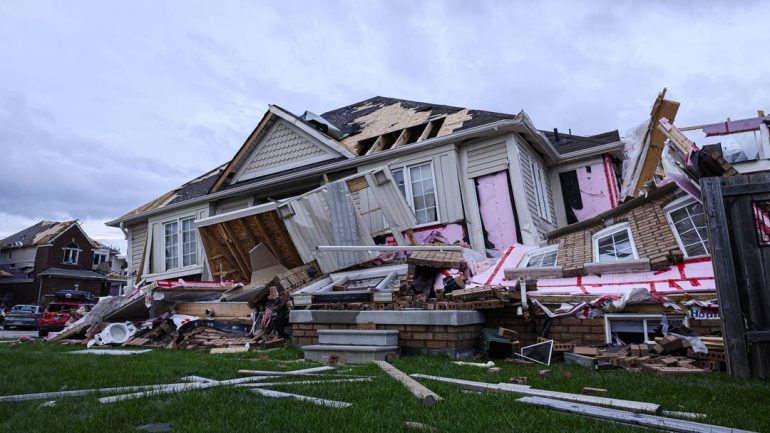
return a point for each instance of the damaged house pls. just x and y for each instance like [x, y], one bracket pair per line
[51, 256]
[491, 179]
[307, 197]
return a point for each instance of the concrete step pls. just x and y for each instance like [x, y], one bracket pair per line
[355, 337]
[351, 354]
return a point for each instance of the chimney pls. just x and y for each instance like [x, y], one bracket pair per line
[556, 135]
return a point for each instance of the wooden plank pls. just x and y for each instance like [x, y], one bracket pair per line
[426, 396]
[314, 400]
[662, 108]
[652, 421]
[213, 242]
[234, 244]
[724, 273]
[80, 392]
[526, 390]
[304, 382]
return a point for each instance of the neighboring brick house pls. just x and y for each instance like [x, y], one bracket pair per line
[50, 256]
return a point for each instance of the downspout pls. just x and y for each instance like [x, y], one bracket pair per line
[39, 290]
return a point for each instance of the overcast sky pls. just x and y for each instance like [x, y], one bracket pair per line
[106, 105]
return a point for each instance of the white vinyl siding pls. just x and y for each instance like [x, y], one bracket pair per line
[536, 193]
[689, 226]
[614, 244]
[486, 158]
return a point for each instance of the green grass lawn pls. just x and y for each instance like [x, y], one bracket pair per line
[382, 405]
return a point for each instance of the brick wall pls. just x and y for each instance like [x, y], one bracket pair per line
[706, 327]
[588, 331]
[410, 337]
[649, 227]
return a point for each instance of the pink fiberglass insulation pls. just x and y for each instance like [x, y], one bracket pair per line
[692, 275]
[494, 275]
[598, 190]
[496, 209]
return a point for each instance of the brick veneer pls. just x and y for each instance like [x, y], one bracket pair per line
[413, 337]
[649, 228]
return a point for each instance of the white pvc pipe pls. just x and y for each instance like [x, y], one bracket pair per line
[389, 248]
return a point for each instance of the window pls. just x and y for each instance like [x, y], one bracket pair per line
[189, 243]
[542, 257]
[637, 328]
[418, 188]
[71, 253]
[541, 191]
[689, 226]
[613, 244]
[180, 241]
[99, 258]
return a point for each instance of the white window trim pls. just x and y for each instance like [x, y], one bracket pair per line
[180, 247]
[77, 255]
[673, 207]
[608, 317]
[408, 188]
[537, 252]
[616, 228]
[106, 256]
[541, 190]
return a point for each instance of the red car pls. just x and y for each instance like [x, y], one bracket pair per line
[57, 314]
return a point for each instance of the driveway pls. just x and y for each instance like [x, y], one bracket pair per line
[13, 334]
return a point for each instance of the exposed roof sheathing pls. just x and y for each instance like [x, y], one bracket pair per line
[38, 234]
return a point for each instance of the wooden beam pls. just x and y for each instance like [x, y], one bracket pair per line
[214, 242]
[249, 234]
[426, 396]
[402, 139]
[377, 146]
[425, 132]
[661, 108]
[235, 243]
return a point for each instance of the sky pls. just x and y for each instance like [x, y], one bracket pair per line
[106, 105]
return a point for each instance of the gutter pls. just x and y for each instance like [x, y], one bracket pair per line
[341, 165]
[596, 150]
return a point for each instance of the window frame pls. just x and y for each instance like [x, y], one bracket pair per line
[179, 243]
[409, 196]
[101, 254]
[676, 205]
[540, 251]
[68, 249]
[644, 317]
[611, 230]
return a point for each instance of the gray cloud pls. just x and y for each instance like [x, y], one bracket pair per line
[106, 105]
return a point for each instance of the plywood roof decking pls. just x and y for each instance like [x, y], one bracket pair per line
[40, 233]
[228, 244]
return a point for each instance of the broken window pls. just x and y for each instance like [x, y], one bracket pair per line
[689, 226]
[613, 244]
[71, 253]
[99, 258]
[637, 328]
[418, 187]
[542, 258]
